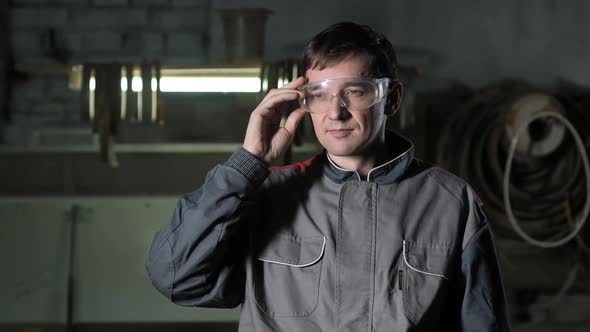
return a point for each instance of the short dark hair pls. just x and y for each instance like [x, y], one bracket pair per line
[345, 39]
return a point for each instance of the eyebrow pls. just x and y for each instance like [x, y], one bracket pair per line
[349, 84]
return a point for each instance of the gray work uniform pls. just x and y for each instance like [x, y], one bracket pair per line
[313, 247]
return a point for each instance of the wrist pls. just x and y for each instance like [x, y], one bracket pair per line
[252, 167]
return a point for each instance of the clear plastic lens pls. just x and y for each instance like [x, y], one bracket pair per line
[352, 94]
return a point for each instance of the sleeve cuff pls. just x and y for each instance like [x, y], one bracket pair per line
[253, 168]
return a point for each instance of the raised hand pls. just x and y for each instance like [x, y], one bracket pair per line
[265, 138]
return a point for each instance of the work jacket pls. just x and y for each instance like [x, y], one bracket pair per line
[314, 247]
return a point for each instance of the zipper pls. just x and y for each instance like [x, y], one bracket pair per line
[399, 279]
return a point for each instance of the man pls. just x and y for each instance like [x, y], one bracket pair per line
[360, 238]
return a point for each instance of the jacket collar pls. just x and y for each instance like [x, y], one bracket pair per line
[401, 151]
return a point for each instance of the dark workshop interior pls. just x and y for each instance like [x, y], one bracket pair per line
[112, 109]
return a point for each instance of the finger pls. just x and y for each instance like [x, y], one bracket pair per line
[271, 103]
[295, 83]
[293, 120]
[275, 92]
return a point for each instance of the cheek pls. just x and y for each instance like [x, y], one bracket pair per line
[316, 121]
[378, 118]
[371, 123]
[367, 122]
[377, 115]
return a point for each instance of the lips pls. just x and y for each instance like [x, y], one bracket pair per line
[340, 132]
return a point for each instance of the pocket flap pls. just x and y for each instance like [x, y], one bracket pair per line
[427, 258]
[294, 251]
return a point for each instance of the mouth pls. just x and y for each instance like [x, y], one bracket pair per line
[339, 129]
[339, 132]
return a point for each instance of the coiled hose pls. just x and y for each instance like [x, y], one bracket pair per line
[475, 145]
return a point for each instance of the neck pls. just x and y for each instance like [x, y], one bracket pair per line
[365, 161]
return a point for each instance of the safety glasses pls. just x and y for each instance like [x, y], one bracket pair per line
[354, 94]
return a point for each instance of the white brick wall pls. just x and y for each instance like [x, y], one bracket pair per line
[170, 31]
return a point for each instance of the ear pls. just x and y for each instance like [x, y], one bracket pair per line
[394, 98]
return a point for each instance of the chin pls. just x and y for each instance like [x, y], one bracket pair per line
[341, 150]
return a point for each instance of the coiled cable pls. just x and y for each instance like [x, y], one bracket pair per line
[581, 220]
[474, 145]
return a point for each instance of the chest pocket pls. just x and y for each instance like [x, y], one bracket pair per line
[287, 275]
[426, 273]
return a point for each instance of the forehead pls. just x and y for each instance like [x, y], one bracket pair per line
[338, 84]
[349, 67]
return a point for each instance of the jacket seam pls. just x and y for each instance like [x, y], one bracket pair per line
[295, 313]
[181, 221]
[373, 253]
[437, 245]
[403, 156]
[206, 276]
[167, 240]
[405, 291]
[487, 296]
[445, 187]
[339, 259]
[343, 169]
[477, 235]
[273, 259]
[254, 165]
[422, 270]
[173, 271]
[487, 300]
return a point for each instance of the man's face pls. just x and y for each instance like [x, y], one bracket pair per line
[340, 131]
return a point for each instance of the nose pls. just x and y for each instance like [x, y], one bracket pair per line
[337, 110]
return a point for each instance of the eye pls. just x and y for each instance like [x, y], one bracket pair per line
[316, 94]
[354, 92]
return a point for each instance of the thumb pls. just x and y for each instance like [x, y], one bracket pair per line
[293, 120]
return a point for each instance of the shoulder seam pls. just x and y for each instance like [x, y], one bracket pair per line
[445, 186]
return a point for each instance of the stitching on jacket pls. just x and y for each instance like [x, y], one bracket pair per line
[343, 169]
[291, 263]
[339, 257]
[405, 297]
[374, 193]
[173, 270]
[439, 245]
[316, 279]
[181, 222]
[477, 235]
[184, 211]
[418, 270]
[430, 173]
[395, 160]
